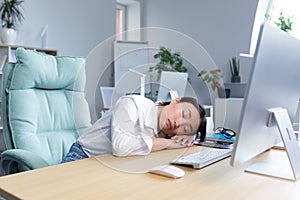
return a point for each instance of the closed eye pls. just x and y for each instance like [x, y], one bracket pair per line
[189, 114]
[187, 129]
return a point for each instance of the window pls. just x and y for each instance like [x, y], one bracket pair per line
[289, 9]
[120, 21]
[273, 8]
[128, 18]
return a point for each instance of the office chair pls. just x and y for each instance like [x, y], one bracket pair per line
[44, 109]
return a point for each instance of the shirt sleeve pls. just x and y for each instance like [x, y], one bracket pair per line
[128, 136]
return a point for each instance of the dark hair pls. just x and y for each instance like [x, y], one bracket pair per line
[201, 131]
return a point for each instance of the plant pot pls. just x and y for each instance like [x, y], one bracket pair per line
[235, 79]
[223, 93]
[8, 36]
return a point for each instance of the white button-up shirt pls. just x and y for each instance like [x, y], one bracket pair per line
[126, 130]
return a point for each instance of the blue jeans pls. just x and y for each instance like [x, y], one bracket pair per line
[75, 153]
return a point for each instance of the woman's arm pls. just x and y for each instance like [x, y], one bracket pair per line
[128, 137]
[162, 143]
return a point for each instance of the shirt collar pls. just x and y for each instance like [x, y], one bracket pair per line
[151, 118]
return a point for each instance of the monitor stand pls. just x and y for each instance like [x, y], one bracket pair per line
[291, 169]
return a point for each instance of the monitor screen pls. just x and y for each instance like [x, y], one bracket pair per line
[274, 82]
[171, 81]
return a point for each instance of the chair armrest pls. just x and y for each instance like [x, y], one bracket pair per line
[13, 160]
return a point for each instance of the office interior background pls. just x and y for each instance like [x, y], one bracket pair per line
[222, 28]
[78, 27]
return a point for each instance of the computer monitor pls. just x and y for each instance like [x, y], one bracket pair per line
[274, 82]
[107, 93]
[171, 81]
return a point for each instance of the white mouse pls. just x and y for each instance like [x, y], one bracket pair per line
[168, 170]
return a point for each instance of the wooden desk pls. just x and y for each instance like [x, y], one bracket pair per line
[108, 177]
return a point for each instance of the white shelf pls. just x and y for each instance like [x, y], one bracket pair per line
[6, 51]
[14, 47]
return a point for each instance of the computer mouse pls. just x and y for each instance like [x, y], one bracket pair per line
[168, 171]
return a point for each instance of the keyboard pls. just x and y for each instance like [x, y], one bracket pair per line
[203, 158]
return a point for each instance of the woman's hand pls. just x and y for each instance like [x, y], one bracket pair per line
[186, 140]
[175, 142]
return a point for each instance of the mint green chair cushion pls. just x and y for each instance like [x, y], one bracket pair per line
[46, 109]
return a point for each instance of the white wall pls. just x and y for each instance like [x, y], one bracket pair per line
[223, 28]
[75, 27]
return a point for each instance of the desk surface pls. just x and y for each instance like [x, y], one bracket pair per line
[108, 177]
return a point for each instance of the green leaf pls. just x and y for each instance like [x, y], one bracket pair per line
[11, 13]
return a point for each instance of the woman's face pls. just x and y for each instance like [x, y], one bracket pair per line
[179, 118]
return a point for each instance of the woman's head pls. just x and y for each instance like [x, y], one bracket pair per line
[182, 116]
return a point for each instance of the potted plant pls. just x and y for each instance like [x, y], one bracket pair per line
[234, 64]
[284, 23]
[11, 14]
[212, 77]
[168, 61]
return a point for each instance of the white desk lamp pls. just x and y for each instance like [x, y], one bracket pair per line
[142, 76]
[44, 36]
